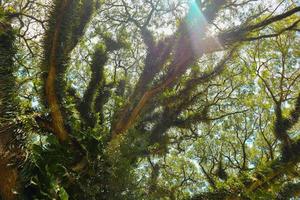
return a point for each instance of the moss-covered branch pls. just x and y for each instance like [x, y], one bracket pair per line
[86, 107]
[275, 170]
[67, 23]
[290, 156]
[289, 191]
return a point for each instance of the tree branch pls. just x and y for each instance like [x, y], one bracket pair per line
[57, 49]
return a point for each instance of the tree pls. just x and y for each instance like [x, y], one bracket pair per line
[149, 99]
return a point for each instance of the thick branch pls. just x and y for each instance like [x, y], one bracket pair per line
[183, 57]
[239, 34]
[275, 170]
[57, 48]
[289, 191]
[97, 67]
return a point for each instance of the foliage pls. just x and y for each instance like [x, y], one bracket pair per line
[149, 99]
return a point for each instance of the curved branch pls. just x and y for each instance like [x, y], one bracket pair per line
[57, 49]
[183, 57]
[86, 105]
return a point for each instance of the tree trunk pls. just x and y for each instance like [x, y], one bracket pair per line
[9, 150]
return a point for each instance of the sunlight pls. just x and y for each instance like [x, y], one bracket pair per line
[197, 26]
[149, 99]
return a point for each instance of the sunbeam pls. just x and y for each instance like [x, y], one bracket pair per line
[198, 27]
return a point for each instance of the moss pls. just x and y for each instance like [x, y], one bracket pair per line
[70, 21]
[11, 140]
[66, 26]
[87, 105]
[7, 68]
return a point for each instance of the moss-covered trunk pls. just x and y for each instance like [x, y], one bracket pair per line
[9, 180]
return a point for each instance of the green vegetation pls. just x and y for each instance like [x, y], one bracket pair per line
[133, 100]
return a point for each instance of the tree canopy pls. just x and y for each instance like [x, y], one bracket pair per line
[149, 99]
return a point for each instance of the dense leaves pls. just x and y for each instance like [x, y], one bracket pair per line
[154, 99]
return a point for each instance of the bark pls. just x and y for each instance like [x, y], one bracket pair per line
[67, 23]
[184, 55]
[9, 150]
[50, 89]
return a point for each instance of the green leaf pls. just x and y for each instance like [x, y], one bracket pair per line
[63, 195]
